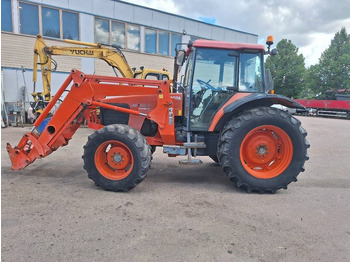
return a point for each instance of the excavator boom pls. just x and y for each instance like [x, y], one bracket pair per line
[114, 57]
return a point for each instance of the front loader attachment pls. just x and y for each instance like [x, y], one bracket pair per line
[85, 98]
[34, 145]
[25, 152]
[57, 131]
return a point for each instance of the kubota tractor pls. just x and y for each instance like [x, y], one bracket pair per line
[221, 108]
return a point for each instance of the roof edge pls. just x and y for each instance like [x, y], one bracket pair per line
[192, 19]
[226, 45]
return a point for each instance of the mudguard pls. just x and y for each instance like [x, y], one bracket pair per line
[243, 101]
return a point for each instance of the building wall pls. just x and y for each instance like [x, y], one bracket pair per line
[17, 49]
[17, 52]
[126, 12]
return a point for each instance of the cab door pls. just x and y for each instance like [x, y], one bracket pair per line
[213, 78]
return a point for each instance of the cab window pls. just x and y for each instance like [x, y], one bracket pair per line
[250, 76]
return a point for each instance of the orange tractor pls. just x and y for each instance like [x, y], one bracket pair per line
[221, 108]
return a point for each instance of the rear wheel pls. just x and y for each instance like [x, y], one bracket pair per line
[263, 149]
[117, 157]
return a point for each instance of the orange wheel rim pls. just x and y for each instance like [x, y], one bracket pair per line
[266, 151]
[114, 160]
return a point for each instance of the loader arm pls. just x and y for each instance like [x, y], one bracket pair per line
[83, 101]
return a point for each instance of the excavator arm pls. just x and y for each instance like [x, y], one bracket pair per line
[113, 57]
[43, 57]
[44, 60]
[43, 53]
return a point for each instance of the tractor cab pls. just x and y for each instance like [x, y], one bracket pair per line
[215, 71]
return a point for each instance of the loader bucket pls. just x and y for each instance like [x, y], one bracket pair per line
[24, 153]
[18, 158]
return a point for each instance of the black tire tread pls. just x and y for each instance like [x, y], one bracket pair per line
[233, 125]
[139, 141]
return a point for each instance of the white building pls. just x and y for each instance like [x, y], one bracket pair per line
[147, 36]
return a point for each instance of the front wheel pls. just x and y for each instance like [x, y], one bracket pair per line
[117, 157]
[263, 149]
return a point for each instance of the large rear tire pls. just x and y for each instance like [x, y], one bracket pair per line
[117, 157]
[263, 149]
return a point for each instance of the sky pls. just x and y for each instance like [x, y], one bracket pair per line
[309, 24]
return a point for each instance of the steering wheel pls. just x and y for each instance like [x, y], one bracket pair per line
[206, 85]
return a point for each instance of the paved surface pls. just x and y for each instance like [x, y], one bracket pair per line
[51, 211]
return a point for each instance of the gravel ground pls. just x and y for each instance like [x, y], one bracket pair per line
[51, 211]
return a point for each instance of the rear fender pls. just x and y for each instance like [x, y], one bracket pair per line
[236, 106]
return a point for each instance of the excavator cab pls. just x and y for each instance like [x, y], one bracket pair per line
[151, 74]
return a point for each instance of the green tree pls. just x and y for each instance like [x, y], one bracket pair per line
[333, 70]
[309, 90]
[287, 69]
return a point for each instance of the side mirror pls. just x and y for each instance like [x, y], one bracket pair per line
[273, 52]
[269, 81]
[180, 57]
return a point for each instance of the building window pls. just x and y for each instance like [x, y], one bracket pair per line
[118, 34]
[133, 37]
[175, 39]
[55, 23]
[6, 16]
[156, 42]
[70, 23]
[128, 36]
[51, 22]
[163, 43]
[102, 31]
[151, 41]
[29, 19]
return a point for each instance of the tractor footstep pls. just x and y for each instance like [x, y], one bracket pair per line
[190, 162]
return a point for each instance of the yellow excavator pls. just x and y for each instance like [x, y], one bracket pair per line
[112, 56]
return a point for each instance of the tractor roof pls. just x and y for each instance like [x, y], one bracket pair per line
[227, 45]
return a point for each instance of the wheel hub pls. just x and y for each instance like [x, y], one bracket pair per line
[262, 150]
[118, 158]
[266, 151]
[114, 160]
